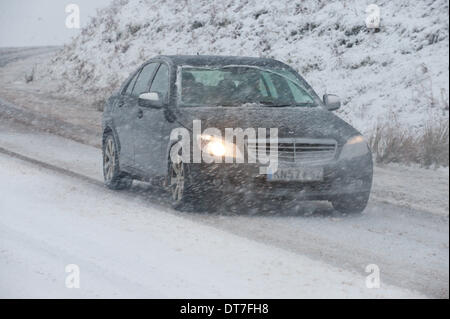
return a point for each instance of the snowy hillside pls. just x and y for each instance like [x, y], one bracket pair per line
[400, 69]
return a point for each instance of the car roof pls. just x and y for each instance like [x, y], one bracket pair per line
[218, 60]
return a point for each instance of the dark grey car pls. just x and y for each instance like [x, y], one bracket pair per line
[320, 156]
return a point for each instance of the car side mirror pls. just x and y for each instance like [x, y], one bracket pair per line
[332, 102]
[152, 99]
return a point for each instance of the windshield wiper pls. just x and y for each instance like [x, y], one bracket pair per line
[271, 104]
[306, 104]
[262, 104]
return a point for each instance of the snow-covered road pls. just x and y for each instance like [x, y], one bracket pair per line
[126, 247]
[8, 55]
[129, 244]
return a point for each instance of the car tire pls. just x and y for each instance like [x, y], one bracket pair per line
[113, 177]
[184, 193]
[351, 204]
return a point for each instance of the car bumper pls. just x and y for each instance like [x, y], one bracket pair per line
[340, 177]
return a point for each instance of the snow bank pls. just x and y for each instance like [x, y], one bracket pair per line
[401, 69]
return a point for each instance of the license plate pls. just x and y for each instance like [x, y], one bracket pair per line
[303, 174]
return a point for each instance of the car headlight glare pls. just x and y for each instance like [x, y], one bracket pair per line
[355, 146]
[216, 148]
[356, 139]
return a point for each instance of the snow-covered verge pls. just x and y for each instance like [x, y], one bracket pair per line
[413, 187]
[128, 249]
[400, 69]
[42, 96]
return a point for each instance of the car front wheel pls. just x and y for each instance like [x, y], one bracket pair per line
[177, 180]
[351, 204]
[186, 193]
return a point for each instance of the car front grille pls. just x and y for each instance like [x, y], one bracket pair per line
[298, 150]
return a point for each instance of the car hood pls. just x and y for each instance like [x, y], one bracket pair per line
[303, 122]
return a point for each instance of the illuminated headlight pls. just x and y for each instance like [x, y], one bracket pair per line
[218, 147]
[355, 146]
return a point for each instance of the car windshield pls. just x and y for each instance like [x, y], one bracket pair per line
[243, 86]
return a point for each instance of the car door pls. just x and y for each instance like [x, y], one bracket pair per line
[123, 116]
[147, 147]
[142, 85]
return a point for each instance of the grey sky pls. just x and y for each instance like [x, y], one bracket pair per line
[41, 22]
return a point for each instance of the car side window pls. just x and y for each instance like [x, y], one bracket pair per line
[160, 83]
[269, 83]
[143, 81]
[262, 88]
[131, 84]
